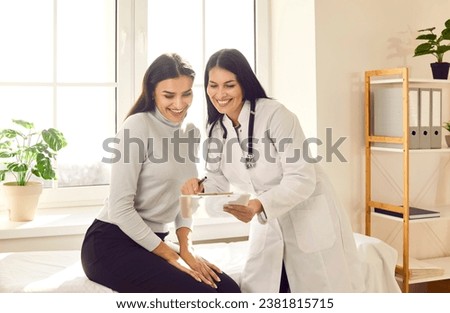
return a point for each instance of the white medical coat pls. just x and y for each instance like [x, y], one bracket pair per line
[304, 226]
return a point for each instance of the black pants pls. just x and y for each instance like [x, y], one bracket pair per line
[111, 258]
[284, 283]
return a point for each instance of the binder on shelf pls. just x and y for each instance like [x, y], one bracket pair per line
[387, 114]
[425, 118]
[414, 213]
[436, 118]
[414, 135]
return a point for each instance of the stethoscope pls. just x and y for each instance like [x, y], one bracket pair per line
[249, 158]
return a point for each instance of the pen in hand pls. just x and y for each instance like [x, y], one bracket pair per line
[201, 181]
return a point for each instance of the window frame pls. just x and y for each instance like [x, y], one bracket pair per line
[131, 63]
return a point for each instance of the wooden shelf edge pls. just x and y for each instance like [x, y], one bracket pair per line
[442, 262]
[400, 150]
[381, 81]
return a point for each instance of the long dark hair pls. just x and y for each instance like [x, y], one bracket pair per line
[234, 61]
[166, 66]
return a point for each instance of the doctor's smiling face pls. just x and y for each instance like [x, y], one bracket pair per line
[225, 92]
[173, 97]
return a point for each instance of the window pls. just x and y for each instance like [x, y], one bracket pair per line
[59, 71]
[77, 65]
[196, 29]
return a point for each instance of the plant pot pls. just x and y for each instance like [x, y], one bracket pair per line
[22, 201]
[447, 140]
[440, 70]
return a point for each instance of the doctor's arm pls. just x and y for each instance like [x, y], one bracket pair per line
[298, 175]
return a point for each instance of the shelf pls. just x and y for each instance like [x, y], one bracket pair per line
[399, 150]
[445, 215]
[442, 262]
[428, 164]
[411, 81]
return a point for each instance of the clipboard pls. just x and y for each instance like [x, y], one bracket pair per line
[210, 204]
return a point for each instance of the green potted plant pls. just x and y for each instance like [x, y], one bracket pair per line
[25, 152]
[435, 45]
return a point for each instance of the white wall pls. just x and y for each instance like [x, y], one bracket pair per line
[324, 86]
[293, 59]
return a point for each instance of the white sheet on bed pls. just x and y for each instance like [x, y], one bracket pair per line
[61, 271]
[379, 260]
[45, 271]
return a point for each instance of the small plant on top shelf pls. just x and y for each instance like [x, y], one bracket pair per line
[436, 46]
[447, 126]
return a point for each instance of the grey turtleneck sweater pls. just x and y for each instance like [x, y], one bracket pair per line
[152, 158]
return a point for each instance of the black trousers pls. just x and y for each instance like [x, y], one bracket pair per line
[111, 258]
[284, 283]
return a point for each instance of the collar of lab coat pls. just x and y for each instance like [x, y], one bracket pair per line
[242, 118]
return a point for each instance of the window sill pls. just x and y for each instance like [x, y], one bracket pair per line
[56, 222]
[49, 222]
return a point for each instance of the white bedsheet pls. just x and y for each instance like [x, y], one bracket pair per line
[61, 271]
[45, 271]
[379, 260]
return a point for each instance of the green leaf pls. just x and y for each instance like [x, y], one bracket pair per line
[11, 133]
[6, 154]
[54, 138]
[29, 153]
[5, 145]
[40, 147]
[17, 167]
[446, 34]
[447, 23]
[3, 174]
[424, 48]
[24, 124]
[44, 167]
[442, 49]
[430, 37]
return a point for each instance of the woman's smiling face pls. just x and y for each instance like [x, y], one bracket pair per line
[225, 92]
[173, 97]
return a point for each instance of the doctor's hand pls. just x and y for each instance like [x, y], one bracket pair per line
[242, 212]
[191, 187]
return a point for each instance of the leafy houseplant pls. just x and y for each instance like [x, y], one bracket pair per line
[435, 46]
[26, 152]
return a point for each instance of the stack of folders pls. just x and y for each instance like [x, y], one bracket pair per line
[425, 116]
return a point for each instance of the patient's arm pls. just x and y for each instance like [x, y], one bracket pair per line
[168, 254]
[206, 270]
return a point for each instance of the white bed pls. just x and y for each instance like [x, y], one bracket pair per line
[61, 271]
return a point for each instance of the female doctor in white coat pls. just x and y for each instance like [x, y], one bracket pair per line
[300, 238]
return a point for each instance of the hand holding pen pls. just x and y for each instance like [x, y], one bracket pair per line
[200, 186]
[193, 186]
